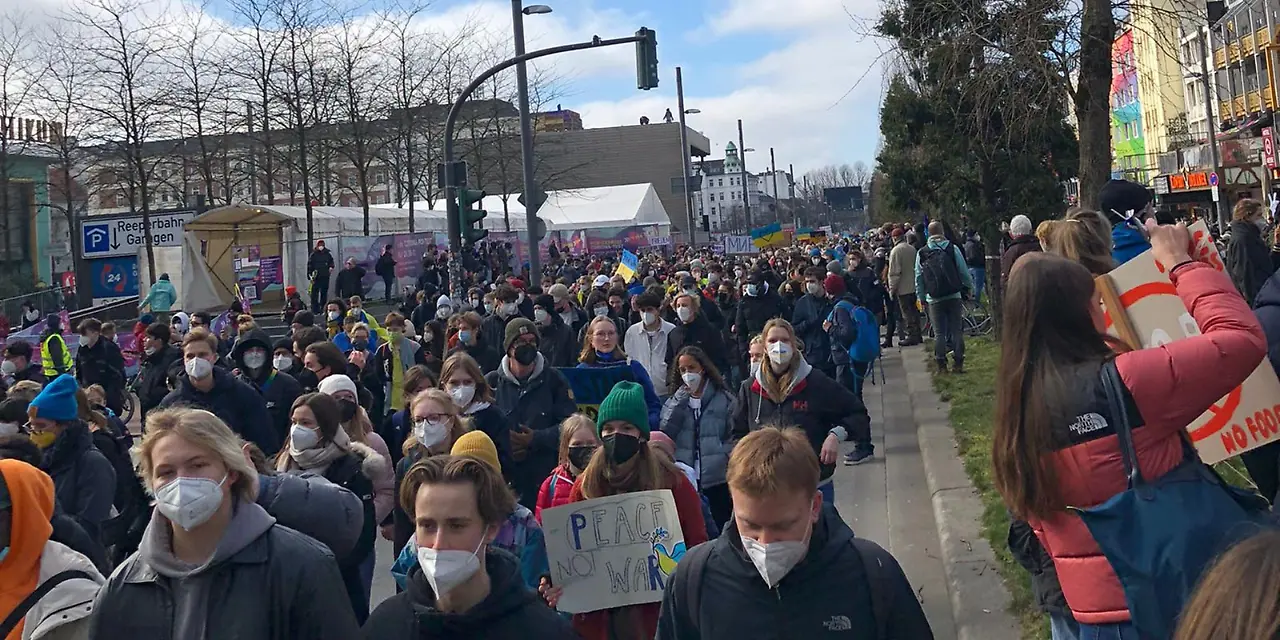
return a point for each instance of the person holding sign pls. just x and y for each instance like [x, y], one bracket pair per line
[1055, 438]
[626, 464]
[602, 350]
[787, 558]
[462, 587]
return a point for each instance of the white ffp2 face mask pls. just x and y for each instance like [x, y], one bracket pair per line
[776, 559]
[189, 502]
[199, 368]
[430, 434]
[780, 353]
[302, 438]
[447, 569]
[462, 395]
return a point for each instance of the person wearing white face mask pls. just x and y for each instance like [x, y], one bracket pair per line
[21, 362]
[99, 361]
[1248, 260]
[318, 444]
[555, 338]
[254, 367]
[505, 310]
[435, 427]
[760, 303]
[649, 341]
[788, 390]
[462, 587]
[786, 555]
[204, 385]
[810, 311]
[695, 328]
[461, 378]
[696, 417]
[212, 563]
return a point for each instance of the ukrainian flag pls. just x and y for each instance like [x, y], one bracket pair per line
[769, 236]
[628, 266]
[804, 233]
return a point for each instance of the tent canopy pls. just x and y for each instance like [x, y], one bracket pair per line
[573, 209]
[382, 220]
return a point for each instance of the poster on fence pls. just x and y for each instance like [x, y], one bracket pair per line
[614, 551]
[1247, 417]
[590, 386]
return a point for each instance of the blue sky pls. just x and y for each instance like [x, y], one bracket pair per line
[801, 74]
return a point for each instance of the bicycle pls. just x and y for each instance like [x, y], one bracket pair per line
[976, 317]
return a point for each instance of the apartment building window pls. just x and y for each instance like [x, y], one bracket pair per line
[351, 180]
[380, 177]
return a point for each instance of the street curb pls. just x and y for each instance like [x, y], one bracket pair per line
[979, 599]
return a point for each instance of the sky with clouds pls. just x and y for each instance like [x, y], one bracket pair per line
[803, 75]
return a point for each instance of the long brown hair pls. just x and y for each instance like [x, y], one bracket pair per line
[1049, 333]
[709, 370]
[1080, 238]
[462, 362]
[1239, 597]
[645, 471]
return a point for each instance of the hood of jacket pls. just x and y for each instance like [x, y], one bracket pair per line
[941, 242]
[539, 364]
[797, 382]
[830, 538]
[248, 523]
[31, 492]
[255, 338]
[507, 595]
[74, 440]
[1241, 229]
[222, 382]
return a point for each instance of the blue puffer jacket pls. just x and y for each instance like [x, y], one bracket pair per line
[1127, 242]
[711, 433]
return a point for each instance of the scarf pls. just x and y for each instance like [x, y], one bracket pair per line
[316, 460]
[400, 354]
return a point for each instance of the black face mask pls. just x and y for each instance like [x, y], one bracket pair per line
[580, 456]
[525, 354]
[349, 409]
[307, 378]
[621, 447]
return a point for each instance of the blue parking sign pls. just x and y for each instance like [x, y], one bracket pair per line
[97, 238]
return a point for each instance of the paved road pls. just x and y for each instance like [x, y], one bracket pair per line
[886, 500]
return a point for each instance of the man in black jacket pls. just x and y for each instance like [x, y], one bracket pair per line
[99, 361]
[252, 356]
[319, 266]
[153, 380]
[205, 386]
[812, 310]
[386, 269]
[22, 363]
[725, 589]
[694, 330]
[556, 342]
[760, 303]
[350, 280]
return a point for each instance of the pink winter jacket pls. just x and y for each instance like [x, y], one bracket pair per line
[1171, 386]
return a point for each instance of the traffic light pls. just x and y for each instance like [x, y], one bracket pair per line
[468, 218]
[647, 59]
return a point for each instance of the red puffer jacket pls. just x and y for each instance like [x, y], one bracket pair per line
[1171, 385]
[554, 491]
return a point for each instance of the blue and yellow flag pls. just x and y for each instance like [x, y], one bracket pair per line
[628, 265]
[770, 235]
[804, 233]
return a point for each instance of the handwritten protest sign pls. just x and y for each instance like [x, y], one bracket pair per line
[1246, 418]
[614, 551]
[590, 386]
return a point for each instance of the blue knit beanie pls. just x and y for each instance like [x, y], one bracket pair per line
[57, 401]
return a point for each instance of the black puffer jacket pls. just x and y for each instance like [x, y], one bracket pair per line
[510, 611]
[102, 364]
[699, 333]
[753, 313]
[556, 342]
[235, 402]
[1027, 550]
[1248, 261]
[540, 403]
[153, 381]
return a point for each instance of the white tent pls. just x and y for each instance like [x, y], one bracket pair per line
[626, 205]
[282, 231]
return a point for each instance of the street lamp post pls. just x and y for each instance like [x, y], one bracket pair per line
[773, 171]
[1210, 96]
[518, 11]
[684, 158]
[742, 162]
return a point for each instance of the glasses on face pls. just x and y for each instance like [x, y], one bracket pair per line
[431, 417]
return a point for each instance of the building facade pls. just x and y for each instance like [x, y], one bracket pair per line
[1160, 79]
[27, 245]
[1127, 143]
[720, 202]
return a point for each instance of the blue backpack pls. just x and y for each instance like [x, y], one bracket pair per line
[866, 346]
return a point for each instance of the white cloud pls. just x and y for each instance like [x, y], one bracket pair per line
[799, 99]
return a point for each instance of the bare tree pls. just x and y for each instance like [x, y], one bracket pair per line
[200, 103]
[256, 58]
[128, 93]
[362, 102]
[20, 71]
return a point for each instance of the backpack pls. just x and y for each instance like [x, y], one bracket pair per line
[941, 275]
[866, 346]
[694, 568]
[11, 621]
[974, 252]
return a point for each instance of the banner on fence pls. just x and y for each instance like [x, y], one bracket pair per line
[614, 551]
[1153, 314]
[590, 386]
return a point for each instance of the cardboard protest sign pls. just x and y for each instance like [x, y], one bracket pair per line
[1246, 418]
[590, 386]
[614, 551]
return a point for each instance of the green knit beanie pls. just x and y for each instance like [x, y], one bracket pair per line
[625, 402]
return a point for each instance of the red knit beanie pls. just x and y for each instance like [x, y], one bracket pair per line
[834, 284]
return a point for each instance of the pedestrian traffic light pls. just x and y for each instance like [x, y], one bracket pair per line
[647, 59]
[468, 218]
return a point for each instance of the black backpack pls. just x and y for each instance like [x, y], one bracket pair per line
[941, 275]
[974, 252]
[693, 567]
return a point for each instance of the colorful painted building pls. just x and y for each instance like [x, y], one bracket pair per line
[1128, 146]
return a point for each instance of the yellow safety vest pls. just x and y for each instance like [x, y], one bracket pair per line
[50, 368]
